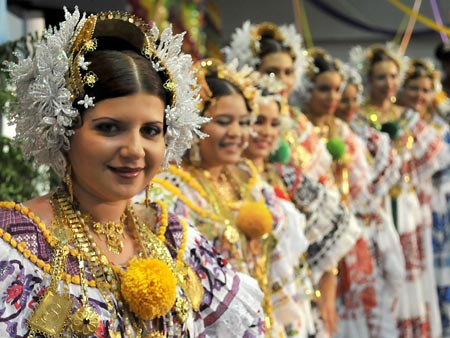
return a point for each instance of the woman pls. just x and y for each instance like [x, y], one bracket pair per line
[98, 103]
[420, 87]
[276, 51]
[382, 237]
[267, 129]
[419, 150]
[227, 196]
[359, 290]
[231, 205]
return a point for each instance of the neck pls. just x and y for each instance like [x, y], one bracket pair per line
[214, 171]
[320, 121]
[101, 211]
[259, 163]
[382, 104]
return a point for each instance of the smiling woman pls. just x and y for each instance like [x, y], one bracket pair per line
[108, 109]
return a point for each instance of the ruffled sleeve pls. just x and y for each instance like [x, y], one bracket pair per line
[429, 152]
[385, 166]
[231, 305]
[360, 174]
[331, 229]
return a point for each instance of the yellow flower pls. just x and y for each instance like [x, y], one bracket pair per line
[149, 287]
[254, 219]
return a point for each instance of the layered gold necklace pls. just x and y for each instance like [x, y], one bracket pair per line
[113, 232]
[55, 312]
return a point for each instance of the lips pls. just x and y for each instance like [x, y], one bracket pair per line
[126, 172]
[262, 143]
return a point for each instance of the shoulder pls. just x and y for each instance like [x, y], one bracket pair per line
[25, 231]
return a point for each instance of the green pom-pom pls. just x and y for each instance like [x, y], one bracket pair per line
[336, 147]
[282, 154]
[391, 128]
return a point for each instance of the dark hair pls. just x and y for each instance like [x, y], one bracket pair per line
[221, 87]
[379, 54]
[417, 69]
[121, 70]
[322, 61]
[442, 52]
[271, 46]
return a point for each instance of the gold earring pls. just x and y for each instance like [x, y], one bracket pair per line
[148, 187]
[68, 181]
[194, 154]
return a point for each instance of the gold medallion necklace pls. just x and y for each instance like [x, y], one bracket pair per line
[111, 230]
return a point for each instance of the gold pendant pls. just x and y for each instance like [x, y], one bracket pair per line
[231, 234]
[193, 288]
[182, 308]
[51, 315]
[85, 321]
[114, 334]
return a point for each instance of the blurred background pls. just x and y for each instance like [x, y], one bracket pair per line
[335, 25]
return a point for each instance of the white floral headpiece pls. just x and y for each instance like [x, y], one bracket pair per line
[245, 45]
[430, 68]
[353, 77]
[47, 85]
[359, 58]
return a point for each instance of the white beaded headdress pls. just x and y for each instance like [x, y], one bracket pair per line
[48, 84]
[245, 45]
[359, 58]
[353, 77]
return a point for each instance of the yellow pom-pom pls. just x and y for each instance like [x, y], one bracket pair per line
[149, 288]
[254, 219]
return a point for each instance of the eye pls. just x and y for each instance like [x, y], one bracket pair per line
[244, 123]
[289, 71]
[276, 123]
[151, 130]
[272, 72]
[323, 88]
[223, 120]
[107, 128]
[259, 120]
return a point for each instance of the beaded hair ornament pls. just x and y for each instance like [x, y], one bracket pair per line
[361, 59]
[245, 45]
[241, 78]
[49, 85]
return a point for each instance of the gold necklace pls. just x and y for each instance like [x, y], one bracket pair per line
[107, 277]
[111, 230]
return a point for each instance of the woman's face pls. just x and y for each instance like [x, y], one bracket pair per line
[418, 94]
[384, 80]
[266, 131]
[282, 66]
[119, 147]
[325, 94]
[228, 131]
[349, 104]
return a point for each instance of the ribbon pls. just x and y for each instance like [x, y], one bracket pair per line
[321, 5]
[409, 28]
[306, 30]
[438, 19]
[424, 20]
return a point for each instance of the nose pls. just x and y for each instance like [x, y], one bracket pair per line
[235, 129]
[336, 95]
[133, 147]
